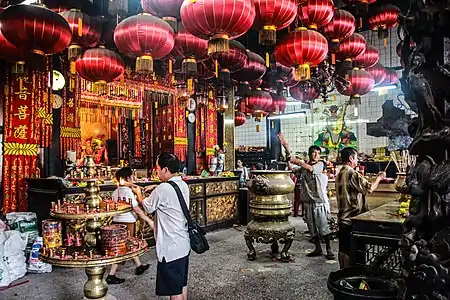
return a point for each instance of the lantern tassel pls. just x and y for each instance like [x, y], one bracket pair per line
[257, 128]
[267, 60]
[267, 35]
[170, 66]
[218, 43]
[302, 72]
[190, 86]
[144, 64]
[73, 67]
[217, 69]
[333, 58]
[80, 26]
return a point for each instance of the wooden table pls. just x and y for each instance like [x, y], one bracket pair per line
[375, 236]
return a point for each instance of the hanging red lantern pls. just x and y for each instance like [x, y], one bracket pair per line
[218, 20]
[315, 14]
[279, 103]
[361, 83]
[304, 91]
[382, 19]
[258, 101]
[341, 27]
[168, 10]
[231, 61]
[391, 77]
[33, 27]
[351, 47]
[145, 37]
[368, 58]
[191, 49]
[378, 72]
[11, 53]
[273, 15]
[253, 69]
[85, 32]
[239, 118]
[291, 80]
[100, 65]
[302, 49]
[255, 84]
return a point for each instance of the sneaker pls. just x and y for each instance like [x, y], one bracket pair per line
[113, 279]
[141, 269]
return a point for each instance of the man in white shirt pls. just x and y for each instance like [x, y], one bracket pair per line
[127, 191]
[172, 238]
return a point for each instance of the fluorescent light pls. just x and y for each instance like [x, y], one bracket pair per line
[288, 116]
[384, 88]
[292, 103]
[357, 121]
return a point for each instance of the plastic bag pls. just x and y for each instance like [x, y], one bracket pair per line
[35, 265]
[5, 279]
[13, 247]
[24, 222]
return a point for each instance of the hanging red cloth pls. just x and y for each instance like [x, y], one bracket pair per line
[180, 142]
[211, 128]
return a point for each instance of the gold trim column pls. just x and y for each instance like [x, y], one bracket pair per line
[228, 132]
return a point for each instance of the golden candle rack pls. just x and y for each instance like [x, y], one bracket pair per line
[88, 218]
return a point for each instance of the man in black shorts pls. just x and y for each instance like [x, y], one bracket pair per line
[172, 238]
[351, 189]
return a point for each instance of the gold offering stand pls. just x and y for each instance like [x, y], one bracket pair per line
[82, 245]
[271, 209]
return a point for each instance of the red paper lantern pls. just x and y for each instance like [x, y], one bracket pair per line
[239, 118]
[291, 80]
[279, 103]
[233, 60]
[85, 32]
[368, 58]
[283, 73]
[145, 37]
[351, 47]
[35, 28]
[341, 27]
[253, 70]
[218, 20]
[10, 52]
[168, 10]
[361, 82]
[391, 77]
[382, 19]
[273, 15]
[304, 91]
[378, 72]
[315, 14]
[302, 49]
[255, 84]
[258, 102]
[100, 65]
[191, 49]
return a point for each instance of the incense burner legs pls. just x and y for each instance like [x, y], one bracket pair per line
[95, 287]
[271, 209]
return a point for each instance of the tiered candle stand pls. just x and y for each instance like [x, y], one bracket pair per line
[82, 246]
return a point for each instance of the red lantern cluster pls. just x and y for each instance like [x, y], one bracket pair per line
[341, 27]
[145, 37]
[368, 58]
[239, 118]
[378, 72]
[304, 91]
[35, 28]
[218, 20]
[361, 82]
[382, 19]
[315, 14]
[168, 10]
[302, 49]
[273, 15]
[100, 65]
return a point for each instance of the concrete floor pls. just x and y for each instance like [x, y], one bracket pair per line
[221, 273]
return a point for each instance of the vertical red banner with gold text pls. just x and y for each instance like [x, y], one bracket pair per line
[22, 133]
[70, 131]
[180, 142]
[211, 128]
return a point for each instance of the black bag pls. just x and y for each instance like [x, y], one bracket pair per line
[199, 244]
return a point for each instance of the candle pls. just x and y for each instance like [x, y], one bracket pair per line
[63, 253]
[116, 206]
[59, 202]
[91, 254]
[67, 209]
[75, 255]
[53, 205]
[77, 209]
[107, 206]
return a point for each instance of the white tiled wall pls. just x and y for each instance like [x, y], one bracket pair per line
[302, 131]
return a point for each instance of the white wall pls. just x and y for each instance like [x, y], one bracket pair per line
[301, 132]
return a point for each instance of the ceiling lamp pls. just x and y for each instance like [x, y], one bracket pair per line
[218, 20]
[382, 19]
[168, 10]
[302, 49]
[315, 14]
[273, 15]
[145, 37]
[378, 72]
[368, 58]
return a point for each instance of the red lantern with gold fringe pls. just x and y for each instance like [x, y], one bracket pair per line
[315, 14]
[168, 10]
[382, 19]
[361, 82]
[279, 103]
[239, 118]
[378, 72]
[11, 53]
[85, 32]
[341, 27]
[304, 91]
[39, 30]
[273, 15]
[258, 101]
[100, 65]
[231, 61]
[190, 49]
[368, 58]
[302, 49]
[218, 20]
[351, 47]
[253, 69]
[145, 37]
